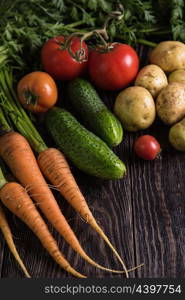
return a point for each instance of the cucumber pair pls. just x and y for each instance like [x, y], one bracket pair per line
[89, 152]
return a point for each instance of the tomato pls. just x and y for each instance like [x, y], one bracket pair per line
[147, 147]
[64, 62]
[113, 69]
[37, 92]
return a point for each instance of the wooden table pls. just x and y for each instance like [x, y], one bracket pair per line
[143, 215]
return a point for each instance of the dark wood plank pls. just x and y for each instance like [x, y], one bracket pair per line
[159, 210]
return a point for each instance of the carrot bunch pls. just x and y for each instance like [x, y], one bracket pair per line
[17, 200]
[16, 152]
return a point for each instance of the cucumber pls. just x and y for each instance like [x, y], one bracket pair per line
[94, 113]
[87, 151]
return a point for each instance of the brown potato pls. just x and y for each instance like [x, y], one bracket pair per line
[135, 108]
[169, 55]
[170, 103]
[177, 135]
[152, 78]
[177, 76]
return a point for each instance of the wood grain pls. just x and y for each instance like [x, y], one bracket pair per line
[143, 215]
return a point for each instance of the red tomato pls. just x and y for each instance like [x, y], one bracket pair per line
[147, 147]
[64, 63]
[37, 92]
[113, 69]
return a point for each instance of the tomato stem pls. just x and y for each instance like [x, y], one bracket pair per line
[117, 14]
[101, 33]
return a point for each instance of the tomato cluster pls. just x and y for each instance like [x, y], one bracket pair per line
[110, 67]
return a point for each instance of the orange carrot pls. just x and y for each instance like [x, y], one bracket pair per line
[18, 155]
[56, 168]
[9, 239]
[16, 199]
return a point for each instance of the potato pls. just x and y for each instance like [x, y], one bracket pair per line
[153, 78]
[177, 76]
[170, 103]
[135, 108]
[169, 55]
[177, 135]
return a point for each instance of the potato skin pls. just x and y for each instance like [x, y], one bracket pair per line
[169, 55]
[135, 108]
[152, 78]
[177, 76]
[177, 135]
[170, 103]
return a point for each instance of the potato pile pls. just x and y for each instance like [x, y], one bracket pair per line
[159, 89]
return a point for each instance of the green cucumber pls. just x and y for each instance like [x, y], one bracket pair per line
[87, 151]
[94, 113]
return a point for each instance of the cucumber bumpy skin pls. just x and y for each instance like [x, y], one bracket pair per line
[95, 114]
[87, 151]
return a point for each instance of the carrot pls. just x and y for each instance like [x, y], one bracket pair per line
[18, 155]
[9, 239]
[55, 167]
[16, 199]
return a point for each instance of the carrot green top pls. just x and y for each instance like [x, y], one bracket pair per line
[14, 111]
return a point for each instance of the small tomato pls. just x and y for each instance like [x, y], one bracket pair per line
[147, 147]
[37, 92]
